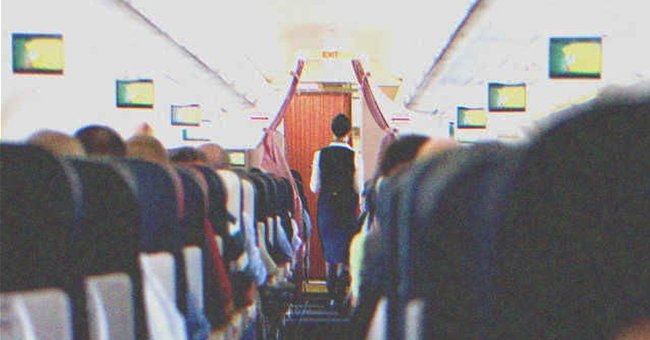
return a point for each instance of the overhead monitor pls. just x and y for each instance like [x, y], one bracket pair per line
[575, 57]
[195, 135]
[237, 158]
[186, 115]
[506, 97]
[37, 53]
[471, 118]
[134, 93]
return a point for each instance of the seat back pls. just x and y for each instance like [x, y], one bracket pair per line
[218, 214]
[574, 250]
[106, 239]
[195, 202]
[449, 257]
[37, 216]
[217, 288]
[161, 231]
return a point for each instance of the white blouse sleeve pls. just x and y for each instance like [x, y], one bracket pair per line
[358, 173]
[314, 183]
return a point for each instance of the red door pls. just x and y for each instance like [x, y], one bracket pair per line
[307, 129]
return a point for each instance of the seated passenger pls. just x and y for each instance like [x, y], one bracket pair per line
[99, 141]
[187, 155]
[147, 148]
[57, 143]
[215, 156]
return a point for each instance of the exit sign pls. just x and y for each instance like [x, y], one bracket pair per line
[330, 54]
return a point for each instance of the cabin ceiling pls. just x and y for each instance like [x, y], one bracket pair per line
[508, 41]
[254, 44]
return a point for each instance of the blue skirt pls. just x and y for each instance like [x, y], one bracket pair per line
[337, 219]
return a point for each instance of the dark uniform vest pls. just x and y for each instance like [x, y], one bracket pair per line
[336, 170]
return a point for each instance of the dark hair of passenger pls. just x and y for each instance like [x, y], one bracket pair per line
[100, 140]
[399, 152]
[186, 154]
[341, 125]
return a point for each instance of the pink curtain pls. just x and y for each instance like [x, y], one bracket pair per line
[375, 111]
[273, 153]
[292, 91]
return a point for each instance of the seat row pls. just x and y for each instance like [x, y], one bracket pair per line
[134, 249]
[547, 240]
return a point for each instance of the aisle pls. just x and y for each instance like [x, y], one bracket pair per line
[311, 318]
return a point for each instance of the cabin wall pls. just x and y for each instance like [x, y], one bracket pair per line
[105, 41]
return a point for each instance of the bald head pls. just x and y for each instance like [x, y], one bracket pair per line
[216, 156]
[57, 143]
[146, 147]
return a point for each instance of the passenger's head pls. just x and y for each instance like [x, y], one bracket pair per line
[187, 155]
[100, 140]
[144, 129]
[401, 152]
[341, 125]
[216, 156]
[437, 146]
[147, 148]
[57, 143]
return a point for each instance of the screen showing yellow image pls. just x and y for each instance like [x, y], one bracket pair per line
[575, 57]
[469, 118]
[506, 97]
[188, 115]
[135, 93]
[37, 53]
[237, 158]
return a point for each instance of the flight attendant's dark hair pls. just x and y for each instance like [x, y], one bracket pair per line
[341, 125]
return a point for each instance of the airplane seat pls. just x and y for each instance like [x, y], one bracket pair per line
[36, 314]
[39, 208]
[220, 217]
[160, 231]
[383, 273]
[575, 243]
[448, 244]
[260, 218]
[106, 242]
[280, 249]
[242, 275]
[249, 229]
[37, 211]
[217, 287]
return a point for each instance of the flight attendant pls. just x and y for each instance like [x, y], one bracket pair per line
[335, 178]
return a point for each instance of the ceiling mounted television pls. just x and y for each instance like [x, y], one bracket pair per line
[134, 93]
[571, 57]
[237, 158]
[37, 53]
[471, 118]
[186, 115]
[194, 135]
[506, 97]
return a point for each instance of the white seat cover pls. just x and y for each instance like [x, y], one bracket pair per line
[413, 319]
[38, 314]
[110, 307]
[164, 320]
[194, 273]
[233, 203]
[377, 330]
